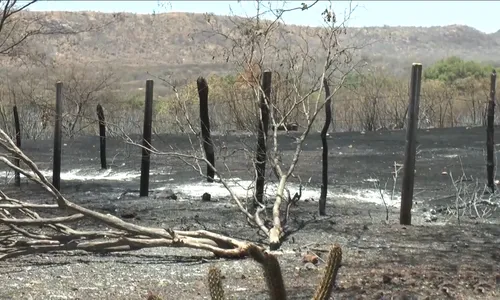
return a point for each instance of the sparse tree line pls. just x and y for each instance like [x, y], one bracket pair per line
[454, 93]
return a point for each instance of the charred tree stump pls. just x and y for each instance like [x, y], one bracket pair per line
[56, 170]
[102, 136]
[17, 127]
[146, 140]
[208, 145]
[328, 120]
[262, 133]
[490, 142]
[411, 146]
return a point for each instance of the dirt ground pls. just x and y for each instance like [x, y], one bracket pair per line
[381, 259]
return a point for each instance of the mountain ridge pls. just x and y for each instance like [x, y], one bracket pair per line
[144, 42]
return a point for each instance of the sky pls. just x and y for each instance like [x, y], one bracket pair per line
[482, 15]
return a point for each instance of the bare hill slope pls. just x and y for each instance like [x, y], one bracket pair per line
[140, 43]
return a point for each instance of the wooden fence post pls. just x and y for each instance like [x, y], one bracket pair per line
[328, 120]
[17, 163]
[56, 170]
[262, 132]
[411, 146]
[146, 139]
[208, 145]
[490, 142]
[102, 136]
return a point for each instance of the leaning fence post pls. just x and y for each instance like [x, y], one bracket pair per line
[146, 139]
[411, 146]
[263, 127]
[328, 120]
[102, 136]
[17, 163]
[490, 142]
[56, 170]
[208, 145]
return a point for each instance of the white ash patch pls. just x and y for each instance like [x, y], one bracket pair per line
[244, 189]
[241, 188]
[84, 175]
[371, 196]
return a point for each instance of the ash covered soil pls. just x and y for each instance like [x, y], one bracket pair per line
[440, 259]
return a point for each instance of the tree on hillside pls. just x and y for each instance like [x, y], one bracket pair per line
[470, 82]
[453, 68]
[476, 93]
[380, 99]
[30, 87]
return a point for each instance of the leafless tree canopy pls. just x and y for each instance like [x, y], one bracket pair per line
[255, 45]
[14, 29]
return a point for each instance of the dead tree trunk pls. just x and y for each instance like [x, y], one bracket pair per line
[328, 120]
[411, 146]
[102, 136]
[17, 126]
[490, 143]
[56, 170]
[146, 140]
[262, 133]
[208, 145]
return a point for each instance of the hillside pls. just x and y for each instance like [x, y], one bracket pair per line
[178, 43]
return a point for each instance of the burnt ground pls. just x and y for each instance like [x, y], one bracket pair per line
[441, 259]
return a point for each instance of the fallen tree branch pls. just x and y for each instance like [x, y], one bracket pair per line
[31, 222]
[124, 236]
[28, 205]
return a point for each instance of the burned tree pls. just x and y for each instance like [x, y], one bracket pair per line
[262, 133]
[490, 143]
[56, 169]
[408, 180]
[146, 139]
[102, 136]
[324, 169]
[208, 145]
[17, 128]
